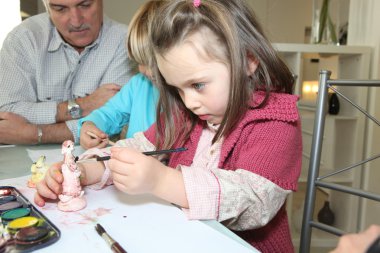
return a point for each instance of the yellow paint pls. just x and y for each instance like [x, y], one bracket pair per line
[23, 222]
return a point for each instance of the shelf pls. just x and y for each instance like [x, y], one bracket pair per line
[318, 49]
[343, 136]
[318, 241]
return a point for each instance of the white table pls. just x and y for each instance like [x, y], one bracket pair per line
[148, 223]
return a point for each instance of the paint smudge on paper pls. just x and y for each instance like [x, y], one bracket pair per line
[85, 217]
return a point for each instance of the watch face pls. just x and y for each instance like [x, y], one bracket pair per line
[75, 111]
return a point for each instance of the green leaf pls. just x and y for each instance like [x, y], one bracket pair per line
[332, 30]
[323, 19]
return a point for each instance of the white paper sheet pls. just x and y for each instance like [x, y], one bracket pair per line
[141, 224]
[52, 155]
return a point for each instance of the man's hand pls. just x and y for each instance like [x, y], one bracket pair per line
[98, 98]
[15, 129]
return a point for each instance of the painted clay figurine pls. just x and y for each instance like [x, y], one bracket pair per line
[72, 198]
[38, 170]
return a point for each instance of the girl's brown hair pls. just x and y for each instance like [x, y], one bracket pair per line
[240, 36]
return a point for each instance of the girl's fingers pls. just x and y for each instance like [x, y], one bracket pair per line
[118, 167]
[126, 155]
[53, 179]
[44, 191]
[39, 200]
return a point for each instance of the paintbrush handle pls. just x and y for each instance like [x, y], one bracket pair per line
[157, 152]
[164, 151]
[117, 248]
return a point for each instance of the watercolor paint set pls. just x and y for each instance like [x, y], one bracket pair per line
[23, 227]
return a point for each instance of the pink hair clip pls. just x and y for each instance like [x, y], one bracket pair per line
[196, 3]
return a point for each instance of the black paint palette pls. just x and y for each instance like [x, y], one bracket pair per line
[25, 228]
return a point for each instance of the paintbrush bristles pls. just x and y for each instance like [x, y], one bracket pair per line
[99, 229]
[102, 232]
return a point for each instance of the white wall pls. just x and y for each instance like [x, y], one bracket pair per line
[121, 10]
[9, 17]
[283, 20]
[364, 30]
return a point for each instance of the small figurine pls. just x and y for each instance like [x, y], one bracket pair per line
[72, 198]
[38, 170]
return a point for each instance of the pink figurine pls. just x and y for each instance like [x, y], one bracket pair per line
[72, 198]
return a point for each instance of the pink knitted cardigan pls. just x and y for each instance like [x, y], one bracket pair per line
[275, 157]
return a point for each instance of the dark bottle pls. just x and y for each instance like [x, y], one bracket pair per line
[334, 104]
[325, 215]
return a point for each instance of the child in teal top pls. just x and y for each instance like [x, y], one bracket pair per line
[135, 104]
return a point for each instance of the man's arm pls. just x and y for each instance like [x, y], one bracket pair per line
[33, 84]
[15, 129]
[18, 83]
[89, 103]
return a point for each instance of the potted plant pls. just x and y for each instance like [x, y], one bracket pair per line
[325, 28]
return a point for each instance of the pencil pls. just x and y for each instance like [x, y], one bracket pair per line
[97, 137]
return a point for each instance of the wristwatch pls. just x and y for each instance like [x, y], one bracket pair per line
[74, 109]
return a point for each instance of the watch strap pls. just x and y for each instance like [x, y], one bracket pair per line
[39, 134]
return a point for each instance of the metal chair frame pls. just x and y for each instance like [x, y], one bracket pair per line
[314, 180]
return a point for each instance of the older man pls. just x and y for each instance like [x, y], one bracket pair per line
[57, 67]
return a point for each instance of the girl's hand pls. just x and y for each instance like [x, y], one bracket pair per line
[51, 186]
[134, 172]
[87, 142]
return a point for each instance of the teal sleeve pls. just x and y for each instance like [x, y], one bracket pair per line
[143, 108]
[136, 100]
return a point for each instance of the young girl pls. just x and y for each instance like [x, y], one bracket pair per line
[225, 96]
[136, 102]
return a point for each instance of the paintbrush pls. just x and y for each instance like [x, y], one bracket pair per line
[115, 246]
[157, 152]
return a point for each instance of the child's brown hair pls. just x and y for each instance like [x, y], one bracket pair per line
[239, 37]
